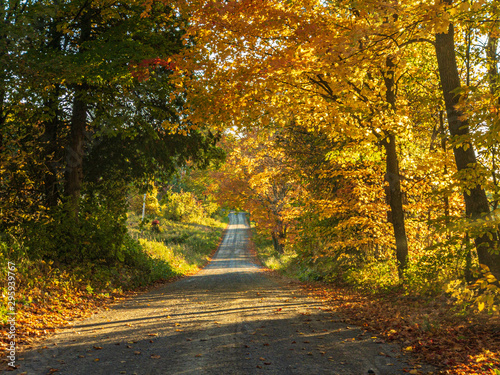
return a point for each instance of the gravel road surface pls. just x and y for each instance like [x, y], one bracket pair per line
[228, 319]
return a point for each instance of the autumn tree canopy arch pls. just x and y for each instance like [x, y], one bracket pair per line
[346, 68]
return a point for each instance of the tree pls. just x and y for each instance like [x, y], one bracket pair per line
[476, 201]
[88, 116]
[255, 178]
[297, 62]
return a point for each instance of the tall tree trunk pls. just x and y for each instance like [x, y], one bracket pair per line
[278, 246]
[493, 81]
[52, 127]
[491, 57]
[279, 236]
[395, 198]
[51, 150]
[476, 202]
[76, 144]
[445, 171]
[392, 176]
[75, 149]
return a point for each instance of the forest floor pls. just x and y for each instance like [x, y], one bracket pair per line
[430, 330]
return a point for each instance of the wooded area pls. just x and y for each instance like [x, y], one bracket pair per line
[362, 138]
[367, 133]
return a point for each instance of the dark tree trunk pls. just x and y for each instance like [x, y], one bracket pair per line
[476, 202]
[491, 56]
[75, 149]
[492, 64]
[51, 151]
[278, 246]
[445, 171]
[52, 126]
[76, 144]
[395, 198]
[50, 181]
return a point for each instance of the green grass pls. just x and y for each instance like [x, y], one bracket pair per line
[270, 257]
[184, 247]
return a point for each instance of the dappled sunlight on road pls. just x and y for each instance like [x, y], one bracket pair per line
[228, 319]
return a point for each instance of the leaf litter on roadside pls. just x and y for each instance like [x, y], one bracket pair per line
[455, 344]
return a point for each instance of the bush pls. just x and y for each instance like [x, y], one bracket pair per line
[97, 236]
[182, 207]
[136, 201]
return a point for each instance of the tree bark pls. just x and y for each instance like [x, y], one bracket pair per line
[51, 150]
[395, 198]
[277, 242]
[492, 65]
[75, 149]
[76, 144]
[476, 202]
[446, 199]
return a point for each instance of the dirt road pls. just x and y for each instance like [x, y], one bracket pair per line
[228, 319]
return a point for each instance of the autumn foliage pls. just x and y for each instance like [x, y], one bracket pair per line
[380, 115]
[362, 137]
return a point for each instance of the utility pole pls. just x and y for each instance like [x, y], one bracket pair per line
[143, 210]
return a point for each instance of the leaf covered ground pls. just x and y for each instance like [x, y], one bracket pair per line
[453, 337]
[431, 330]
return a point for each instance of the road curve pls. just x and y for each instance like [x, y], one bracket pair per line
[227, 319]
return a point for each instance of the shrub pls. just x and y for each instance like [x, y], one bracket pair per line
[136, 201]
[182, 207]
[97, 236]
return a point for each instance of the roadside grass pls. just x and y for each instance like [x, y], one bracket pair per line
[186, 247]
[269, 257]
[48, 295]
[432, 327]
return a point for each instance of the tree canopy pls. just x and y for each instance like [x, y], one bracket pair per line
[407, 86]
[86, 91]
